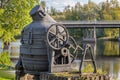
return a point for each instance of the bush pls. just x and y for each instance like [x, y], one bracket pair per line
[6, 66]
[89, 69]
[5, 62]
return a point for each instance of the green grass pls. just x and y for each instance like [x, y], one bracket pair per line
[6, 75]
[4, 79]
[6, 67]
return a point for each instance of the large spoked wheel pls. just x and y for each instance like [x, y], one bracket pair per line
[57, 36]
[74, 47]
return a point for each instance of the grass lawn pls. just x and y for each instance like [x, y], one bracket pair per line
[4, 79]
[6, 75]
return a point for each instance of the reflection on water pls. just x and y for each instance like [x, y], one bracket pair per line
[108, 57]
[105, 52]
[110, 66]
[107, 48]
[104, 48]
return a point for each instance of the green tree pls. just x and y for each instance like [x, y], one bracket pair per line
[43, 3]
[5, 61]
[53, 11]
[106, 11]
[115, 3]
[67, 12]
[14, 15]
[3, 3]
[91, 14]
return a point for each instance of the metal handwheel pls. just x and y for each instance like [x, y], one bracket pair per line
[57, 36]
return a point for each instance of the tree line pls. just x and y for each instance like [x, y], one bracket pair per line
[108, 10]
[14, 15]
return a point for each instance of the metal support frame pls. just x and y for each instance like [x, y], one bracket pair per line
[89, 34]
[88, 47]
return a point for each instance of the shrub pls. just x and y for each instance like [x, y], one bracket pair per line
[5, 62]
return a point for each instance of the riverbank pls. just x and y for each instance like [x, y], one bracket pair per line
[108, 39]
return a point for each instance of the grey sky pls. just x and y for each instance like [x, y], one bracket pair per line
[60, 4]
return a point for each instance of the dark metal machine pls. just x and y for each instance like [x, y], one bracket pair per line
[45, 46]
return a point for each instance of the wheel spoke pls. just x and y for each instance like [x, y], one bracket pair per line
[53, 40]
[62, 39]
[61, 33]
[55, 43]
[57, 30]
[58, 43]
[51, 36]
[52, 32]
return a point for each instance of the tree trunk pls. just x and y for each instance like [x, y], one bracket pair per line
[6, 46]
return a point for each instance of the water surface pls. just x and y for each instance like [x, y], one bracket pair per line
[107, 54]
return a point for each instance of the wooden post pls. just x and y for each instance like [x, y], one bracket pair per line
[95, 33]
[119, 40]
[119, 34]
[119, 47]
[84, 32]
[95, 42]
[111, 67]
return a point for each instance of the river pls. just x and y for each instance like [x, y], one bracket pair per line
[108, 57]
[107, 54]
